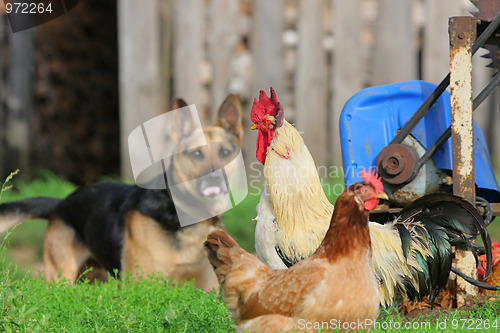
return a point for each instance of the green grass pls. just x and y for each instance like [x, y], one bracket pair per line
[27, 304]
[146, 305]
[481, 318]
[240, 224]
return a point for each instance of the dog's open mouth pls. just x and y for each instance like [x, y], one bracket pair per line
[211, 191]
[212, 188]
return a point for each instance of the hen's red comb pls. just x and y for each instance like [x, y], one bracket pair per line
[373, 179]
[265, 105]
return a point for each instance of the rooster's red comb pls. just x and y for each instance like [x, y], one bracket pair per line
[267, 106]
[373, 179]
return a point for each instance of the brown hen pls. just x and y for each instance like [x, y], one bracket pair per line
[334, 288]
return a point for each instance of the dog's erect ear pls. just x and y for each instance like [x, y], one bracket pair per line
[230, 116]
[178, 103]
[183, 122]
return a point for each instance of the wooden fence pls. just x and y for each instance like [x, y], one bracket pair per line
[316, 54]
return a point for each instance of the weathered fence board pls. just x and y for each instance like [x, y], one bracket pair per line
[267, 44]
[310, 80]
[347, 69]
[188, 20]
[435, 49]
[222, 40]
[394, 55]
[139, 68]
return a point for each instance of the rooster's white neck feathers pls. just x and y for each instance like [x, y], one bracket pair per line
[294, 187]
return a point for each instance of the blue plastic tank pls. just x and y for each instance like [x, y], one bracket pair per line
[371, 118]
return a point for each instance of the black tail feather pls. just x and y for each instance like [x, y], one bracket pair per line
[448, 221]
[456, 215]
[474, 281]
[464, 241]
[405, 236]
[440, 264]
[468, 244]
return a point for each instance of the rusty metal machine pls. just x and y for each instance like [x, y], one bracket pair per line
[404, 130]
[370, 123]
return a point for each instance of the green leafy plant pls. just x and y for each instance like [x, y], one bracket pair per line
[126, 304]
[6, 187]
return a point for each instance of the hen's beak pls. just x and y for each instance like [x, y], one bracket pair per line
[382, 195]
[253, 127]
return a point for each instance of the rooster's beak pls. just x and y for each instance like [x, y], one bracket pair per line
[382, 195]
[253, 127]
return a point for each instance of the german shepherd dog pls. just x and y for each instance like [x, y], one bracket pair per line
[129, 228]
